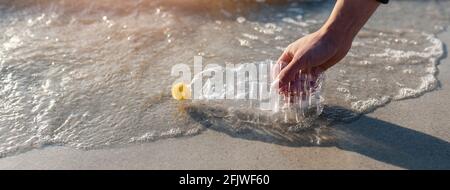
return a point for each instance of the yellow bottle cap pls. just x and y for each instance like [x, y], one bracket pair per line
[181, 91]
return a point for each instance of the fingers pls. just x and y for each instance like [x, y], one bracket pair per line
[288, 73]
[296, 73]
[286, 57]
[304, 62]
[304, 81]
[281, 63]
[298, 88]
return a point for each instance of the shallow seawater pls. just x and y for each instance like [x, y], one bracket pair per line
[92, 74]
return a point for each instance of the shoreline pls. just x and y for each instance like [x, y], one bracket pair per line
[406, 134]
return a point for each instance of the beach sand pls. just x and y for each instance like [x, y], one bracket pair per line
[407, 134]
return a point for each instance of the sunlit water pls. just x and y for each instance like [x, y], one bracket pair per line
[92, 74]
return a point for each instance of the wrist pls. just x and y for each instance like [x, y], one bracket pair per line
[334, 35]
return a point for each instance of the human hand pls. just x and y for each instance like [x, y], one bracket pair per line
[303, 61]
[318, 51]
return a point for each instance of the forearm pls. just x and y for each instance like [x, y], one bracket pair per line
[348, 17]
[324, 48]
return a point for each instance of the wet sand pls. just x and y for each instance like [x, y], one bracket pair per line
[408, 134]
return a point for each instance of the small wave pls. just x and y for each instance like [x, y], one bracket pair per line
[92, 74]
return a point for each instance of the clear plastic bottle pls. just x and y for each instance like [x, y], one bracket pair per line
[300, 100]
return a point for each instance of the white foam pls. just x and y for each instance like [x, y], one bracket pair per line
[250, 36]
[408, 71]
[343, 90]
[428, 83]
[241, 20]
[365, 106]
[389, 68]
